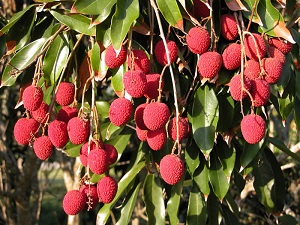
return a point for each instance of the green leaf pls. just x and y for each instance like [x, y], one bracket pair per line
[230, 218]
[192, 157]
[117, 79]
[287, 220]
[197, 209]
[109, 131]
[249, 153]
[213, 209]
[76, 22]
[153, 197]
[201, 177]
[226, 106]
[98, 63]
[72, 150]
[174, 202]
[104, 212]
[102, 109]
[93, 7]
[286, 72]
[281, 146]
[205, 115]
[171, 12]
[56, 58]
[297, 112]
[20, 61]
[127, 11]
[297, 84]
[128, 206]
[285, 106]
[250, 5]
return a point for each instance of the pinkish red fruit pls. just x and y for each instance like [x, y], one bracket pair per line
[114, 59]
[138, 116]
[156, 115]
[274, 52]
[160, 52]
[58, 134]
[140, 62]
[260, 92]
[141, 134]
[198, 40]
[229, 29]
[273, 70]
[236, 87]
[183, 128]
[200, 9]
[107, 188]
[253, 128]
[255, 46]
[78, 130]
[152, 85]
[171, 169]
[42, 147]
[120, 111]
[25, 130]
[252, 69]
[66, 113]
[98, 161]
[209, 64]
[65, 93]
[84, 150]
[32, 97]
[135, 83]
[112, 153]
[283, 45]
[41, 114]
[91, 195]
[74, 201]
[157, 139]
[231, 56]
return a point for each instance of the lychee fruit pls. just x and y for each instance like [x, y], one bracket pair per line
[160, 52]
[84, 150]
[152, 85]
[273, 70]
[171, 169]
[78, 130]
[65, 93]
[32, 97]
[112, 153]
[156, 115]
[140, 61]
[198, 40]
[255, 46]
[66, 113]
[252, 69]
[58, 134]
[236, 87]
[183, 128]
[274, 52]
[41, 114]
[253, 128]
[135, 83]
[200, 9]
[91, 194]
[113, 59]
[42, 147]
[260, 92]
[141, 134]
[138, 116]
[25, 130]
[120, 111]
[74, 201]
[283, 45]
[231, 56]
[229, 28]
[157, 139]
[209, 64]
[107, 188]
[98, 161]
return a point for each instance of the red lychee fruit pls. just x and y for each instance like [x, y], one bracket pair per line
[171, 169]
[283, 45]
[98, 161]
[156, 115]
[140, 62]
[114, 60]
[42, 147]
[107, 188]
[260, 92]
[58, 133]
[138, 116]
[231, 56]
[41, 114]
[229, 28]
[65, 93]
[32, 97]
[25, 130]
[183, 128]
[141, 134]
[157, 139]
[152, 85]
[273, 70]
[112, 153]
[253, 128]
[66, 113]
[255, 46]
[209, 64]
[74, 201]
[84, 150]
[135, 83]
[200, 9]
[236, 87]
[160, 52]
[120, 111]
[252, 69]
[78, 130]
[274, 52]
[91, 194]
[198, 40]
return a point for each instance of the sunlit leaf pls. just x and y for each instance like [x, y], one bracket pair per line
[102, 109]
[174, 202]
[226, 156]
[252, 11]
[72, 150]
[93, 7]
[117, 79]
[98, 63]
[249, 153]
[235, 5]
[192, 157]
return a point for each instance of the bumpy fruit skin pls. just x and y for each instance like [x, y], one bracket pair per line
[209, 64]
[40, 115]
[141, 134]
[138, 116]
[24, 130]
[140, 62]
[152, 85]
[83, 156]
[135, 83]
[42, 147]
[66, 113]
[156, 115]
[98, 161]
[58, 134]
[229, 29]
[250, 48]
[253, 128]
[112, 153]
[90, 191]
[107, 188]
[183, 128]
[160, 52]
[112, 60]
[200, 9]
[284, 46]
[78, 130]
[32, 97]
[74, 201]
[273, 70]
[198, 40]
[231, 56]
[171, 169]
[236, 87]
[65, 93]
[260, 92]
[120, 111]
[157, 139]
[252, 69]
[274, 52]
